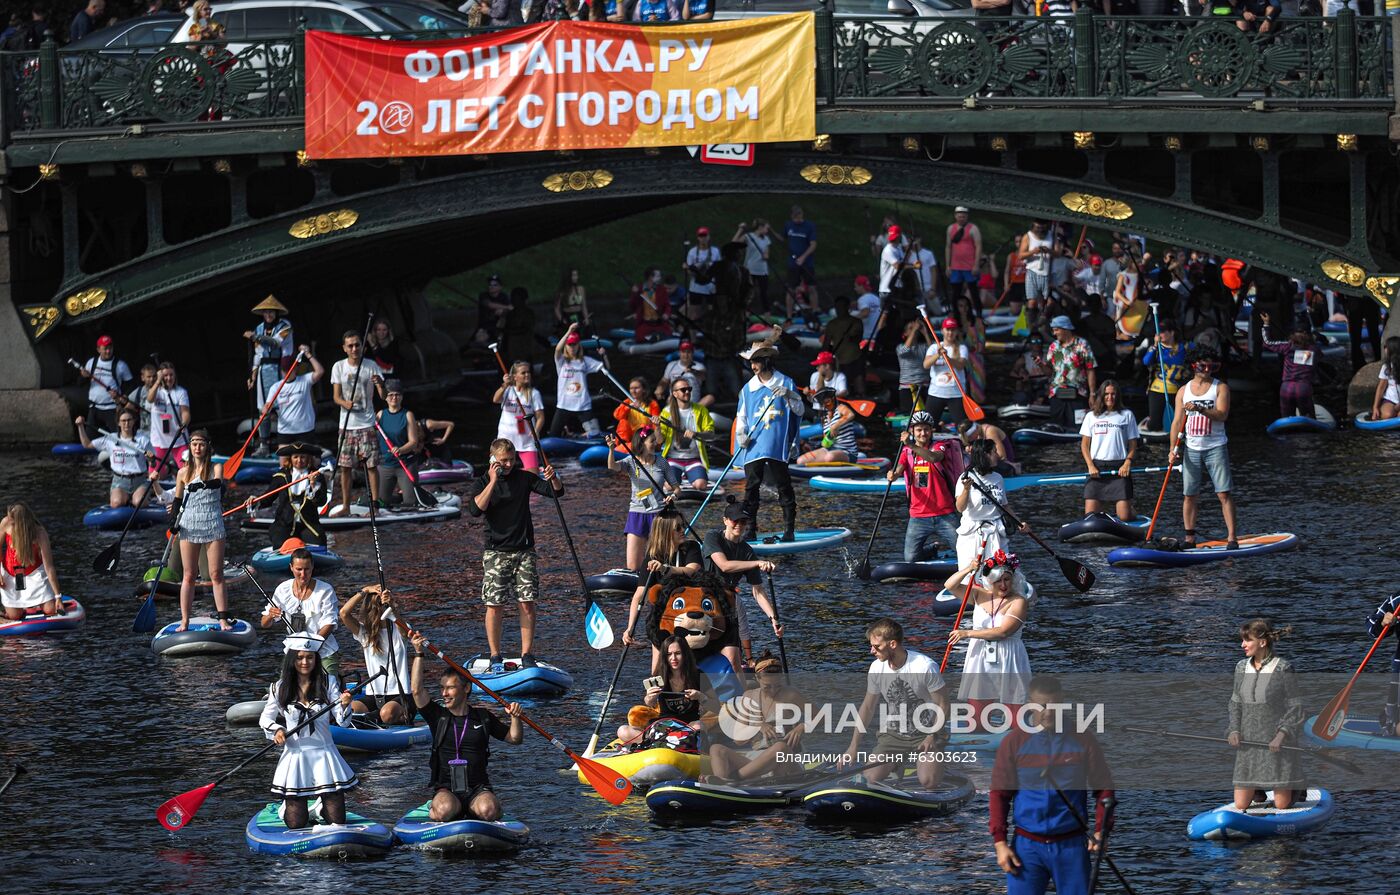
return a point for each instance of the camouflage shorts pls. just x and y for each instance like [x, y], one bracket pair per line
[507, 570]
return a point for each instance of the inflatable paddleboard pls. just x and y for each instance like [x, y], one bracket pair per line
[542, 680]
[449, 506]
[1364, 422]
[1356, 733]
[1104, 527]
[690, 797]
[597, 455]
[559, 448]
[814, 430]
[660, 346]
[375, 739]
[937, 569]
[1044, 436]
[648, 767]
[35, 622]
[245, 713]
[805, 540]
[595, 343]
[1207, 551]
[72, 449]
[863, 802]
[622, 582]
[204, 638]
[1262, 819]
[1016, 412]
[357, 838]
[863, 468]
[1324, 422]
[115, 518]
[324, 560]
[1013, 483]
[471, 836]
[458, 471]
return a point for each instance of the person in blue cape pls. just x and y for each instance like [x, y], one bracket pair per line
[765, 428]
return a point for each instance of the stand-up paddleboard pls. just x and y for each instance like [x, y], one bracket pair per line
[660, 346]
[1018, 412]
[1207, 551]
[35, 622]
[862, 468]
[115, 518]
[596, 455]
[1013, 483]
[864, 802]
[324, 560]
[446, 474]
[356, 838]
[559, 448]
[1152, 436]
[1103, 527]
[204, 637]
[449, 506]
[936, 569]
[1323, 422]
[470, 836]
[542, 680]
[72, 449]
[619, 582]
[1356, 733]
[1262, 820]
[1364, 422]
[805, 540]
[1031, 435]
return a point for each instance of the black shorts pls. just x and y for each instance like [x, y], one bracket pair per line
[464, 798]
[801, 276]
[375, 703]
[1109, 489]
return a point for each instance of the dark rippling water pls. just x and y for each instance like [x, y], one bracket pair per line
[108, 732]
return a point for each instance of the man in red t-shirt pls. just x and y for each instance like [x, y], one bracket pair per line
[929, 475]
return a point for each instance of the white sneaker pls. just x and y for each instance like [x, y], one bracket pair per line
[338, 510]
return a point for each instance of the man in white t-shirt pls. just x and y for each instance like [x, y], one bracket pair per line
[573, 404]
[692, 371]
[927, 265]
[106, 375]
[946, 361]
[296, 412]
[354, 383]
[698, 261]
[915, 700]
[894, 258]
[867, 308]
[170, 418]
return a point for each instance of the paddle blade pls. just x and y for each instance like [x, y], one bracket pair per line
[611, 785]
[597, 628]
[1330, 720]
[177, 812]
[1077, 574]
[106, 561]
[145, 621]
[232, 463]
[973, 410]
[862, 406]
[863, 570]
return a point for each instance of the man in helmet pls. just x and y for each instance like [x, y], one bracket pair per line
[930, 473]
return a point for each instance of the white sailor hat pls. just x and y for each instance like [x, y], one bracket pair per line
[309, 643]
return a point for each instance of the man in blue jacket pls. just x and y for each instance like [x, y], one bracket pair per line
[765, 427]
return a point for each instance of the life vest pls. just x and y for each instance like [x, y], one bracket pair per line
[12, 563]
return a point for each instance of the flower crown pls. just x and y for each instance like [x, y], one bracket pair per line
[1001, 558]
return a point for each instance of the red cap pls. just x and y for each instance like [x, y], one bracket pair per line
[686, 346]
[703, 231]
[572, 339]
[1095, 259]
[825, 357]
[950, 323]
[863, 281]
[893, 234]
[103, 341]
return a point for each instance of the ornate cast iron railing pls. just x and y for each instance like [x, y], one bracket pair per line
[934, 61]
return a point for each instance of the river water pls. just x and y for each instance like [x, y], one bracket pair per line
[108, 732]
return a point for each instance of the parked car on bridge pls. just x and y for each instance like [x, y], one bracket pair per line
[253, 20]
[847, 9]
[143, 33]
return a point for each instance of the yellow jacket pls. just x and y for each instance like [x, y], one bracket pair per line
[703, 423]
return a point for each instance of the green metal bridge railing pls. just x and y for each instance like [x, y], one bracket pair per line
[1085, 60]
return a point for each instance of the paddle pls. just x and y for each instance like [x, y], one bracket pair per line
[1147, 538]
[19, 769]
[610, 785]
[1315, 753]
[1076, 573]
[145, 621]
[862, 406]
[379, 567]
[248, 504]
[1168, 405]
[179, 811]
[735, 456]
[105, 563]
[1109, 804]
[235, 459]
[595, 623]
[863, 570]
[253, 577]
[957, 622]
[777, 620]
[1330, 720]
[970, 407]
[417, 489]
[612, 685]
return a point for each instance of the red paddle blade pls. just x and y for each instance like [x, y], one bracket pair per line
[970, 407]
[177, 812]
[1330, 720]
[862, 406]
[232, 463]
[611, 785]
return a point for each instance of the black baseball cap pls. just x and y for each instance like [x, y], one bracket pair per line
[735, 512]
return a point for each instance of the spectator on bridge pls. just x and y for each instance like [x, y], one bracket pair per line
[698, 10]
[1120, 7]
[202, 25]
[800, 238]
[27, 35]
[1257, 15]
[756, 239]
[88, 20]
[962, 246]
[651, 11]
[992, 7]
[491, 307]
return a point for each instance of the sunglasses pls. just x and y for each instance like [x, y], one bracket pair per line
[681, 391]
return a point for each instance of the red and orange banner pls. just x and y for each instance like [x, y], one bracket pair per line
[562, 85]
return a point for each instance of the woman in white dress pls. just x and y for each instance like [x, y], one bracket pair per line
[310, 766]
[997, 668]
[369, 617]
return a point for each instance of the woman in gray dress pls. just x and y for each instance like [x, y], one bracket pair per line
[1265, 707]
[199, 521]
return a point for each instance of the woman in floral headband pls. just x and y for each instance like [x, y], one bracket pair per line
[997, 668]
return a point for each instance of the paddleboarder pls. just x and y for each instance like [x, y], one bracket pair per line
[754, 742]
[170, 416]
[400, 446]
[728, 554]
[518, 399]
[573, 403]
[929, 472]
[310, 765]
[107, 376]
[369, 617]
[1386, 402]
[1202, 407]
[765, 442]
[1041, 782]
[947, 363]
[1072, 376]
[972, 430]
[309, 606]
[668, 554]
[502, 496]
[1381, 619]
[982, 530]
[198, 511]
[273, 347]
[1108, 442]
[295, 514]
[838, 441]
[354, 383]
[1265, 707]
[997, 668]
[1166, 356]
[29, 578]
[1299, 355]
[461, 744]
[127, 449]
[653, 481]
[683, 423]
